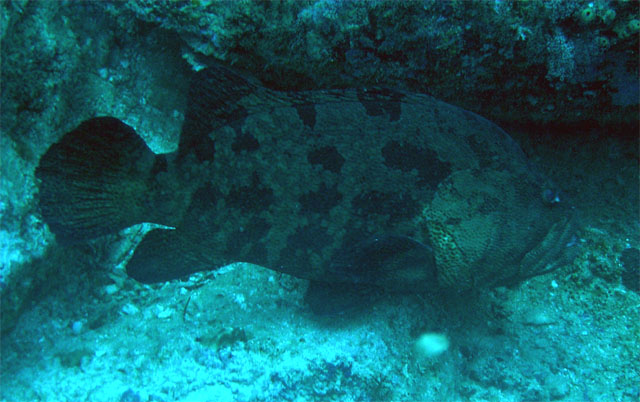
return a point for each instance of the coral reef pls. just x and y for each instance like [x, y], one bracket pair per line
[537, 61]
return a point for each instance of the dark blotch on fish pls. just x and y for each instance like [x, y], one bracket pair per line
[328, 157]
[307, 114]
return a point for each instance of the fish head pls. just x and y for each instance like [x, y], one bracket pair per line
[493, 227]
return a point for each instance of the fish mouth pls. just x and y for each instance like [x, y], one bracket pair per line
[559, 247]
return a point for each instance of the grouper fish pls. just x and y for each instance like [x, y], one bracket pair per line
[347, 188]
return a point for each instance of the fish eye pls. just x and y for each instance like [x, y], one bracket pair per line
[551, 197]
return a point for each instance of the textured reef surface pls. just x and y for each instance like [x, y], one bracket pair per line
[559, 76]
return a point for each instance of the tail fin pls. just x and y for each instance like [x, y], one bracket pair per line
[98, 179]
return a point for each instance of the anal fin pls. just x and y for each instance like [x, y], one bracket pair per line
[164, 255]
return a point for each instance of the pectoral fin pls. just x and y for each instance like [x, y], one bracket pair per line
[391, 262]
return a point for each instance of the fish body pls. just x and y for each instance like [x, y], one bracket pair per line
[353, 187]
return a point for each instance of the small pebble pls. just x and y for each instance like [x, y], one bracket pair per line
[76, 327]
[111, 289]
[130, 396]
[164, 313]
[130, 309]
[537, 318]
[431, 345]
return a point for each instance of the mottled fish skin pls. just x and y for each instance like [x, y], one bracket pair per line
[369, 187]
[300, 182]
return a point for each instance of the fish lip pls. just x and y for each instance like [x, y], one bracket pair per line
[559, 247]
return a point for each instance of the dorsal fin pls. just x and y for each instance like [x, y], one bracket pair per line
[219, 97]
